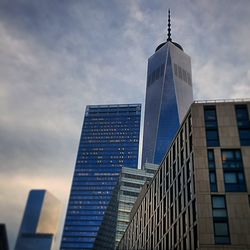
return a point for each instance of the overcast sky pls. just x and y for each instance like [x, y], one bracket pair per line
[57, 56]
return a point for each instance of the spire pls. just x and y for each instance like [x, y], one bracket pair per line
[169, 39]
[169, 27]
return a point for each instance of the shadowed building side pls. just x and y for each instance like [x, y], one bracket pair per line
[3, 238]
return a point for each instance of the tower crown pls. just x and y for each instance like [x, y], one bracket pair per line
[169, 39]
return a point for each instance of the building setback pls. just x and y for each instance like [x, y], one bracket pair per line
[169, 95]
[109, 141]
[199, 198]
[39, 226]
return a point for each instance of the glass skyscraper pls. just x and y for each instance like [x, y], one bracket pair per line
[109, 141]
[40, 221]
[168, 97]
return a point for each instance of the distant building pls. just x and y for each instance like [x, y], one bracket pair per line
[130, 186]
[200, 196]
[39, 225]
[169, 95]
[109, 141]
[3, 238]
[117, 215]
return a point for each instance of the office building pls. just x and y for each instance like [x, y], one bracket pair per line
[117, 215]
[168, 97]
[39, 225]
[109, 141]
[130, 185]
[200, 196]
[3, 238]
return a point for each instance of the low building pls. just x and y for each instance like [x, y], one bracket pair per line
[199, 197]
[3, 238]
[40, 222]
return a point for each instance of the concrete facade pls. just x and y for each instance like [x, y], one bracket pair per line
[180, 209]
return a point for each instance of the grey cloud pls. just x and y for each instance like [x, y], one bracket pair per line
[58, 56]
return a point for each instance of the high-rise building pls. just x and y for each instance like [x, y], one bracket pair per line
[130, 185]
[117, 215]
[168, 97]
[200, 196]
[39, 226]
[3, 238]
[109, 141]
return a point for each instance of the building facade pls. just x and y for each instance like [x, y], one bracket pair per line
[130, 185]
[125, 195]
[169, 95]
[109, 141]
[40, 221]
[200, 196]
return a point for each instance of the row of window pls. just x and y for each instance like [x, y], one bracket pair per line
[156, 74]
[109, 147]
[97, 171]
[113, 114]
[182, 74]
[234, 179]
[166, 216]
[91, 109]
[109, 161]
[113, 134]
[211, 125]
[120, 121]
[110, 140]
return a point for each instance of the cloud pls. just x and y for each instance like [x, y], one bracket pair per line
[13, 207]
[58, 56]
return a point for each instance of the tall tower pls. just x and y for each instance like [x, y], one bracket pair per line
[168, 97]
[109, 141]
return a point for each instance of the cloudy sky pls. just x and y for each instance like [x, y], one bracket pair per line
[56, 56]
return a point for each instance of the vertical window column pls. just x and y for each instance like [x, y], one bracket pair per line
[243, 124]
[212, 171]
[211, 125]
[220, 220]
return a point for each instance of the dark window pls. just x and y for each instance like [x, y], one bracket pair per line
[243, 124]
[234, 178]
[212, 134]
[212, 171]
[221, 233]
[220, 219]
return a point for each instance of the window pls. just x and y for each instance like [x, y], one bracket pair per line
[243, 124]
[220, 219]
[212, 171]
[212, 134]
[221, 233]
[234, 178]
[219, 207]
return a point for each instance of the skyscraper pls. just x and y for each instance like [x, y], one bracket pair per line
[130, 185]
[168, 97]
[117, 215]
[109, 141]
[40, 222]
[200, 197]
